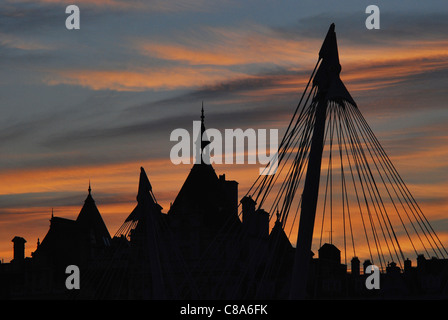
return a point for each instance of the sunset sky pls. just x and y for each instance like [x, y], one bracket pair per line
[96, 104]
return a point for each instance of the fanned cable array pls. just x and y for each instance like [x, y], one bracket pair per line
[364, 206]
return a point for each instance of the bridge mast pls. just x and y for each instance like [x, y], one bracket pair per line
[329, 88]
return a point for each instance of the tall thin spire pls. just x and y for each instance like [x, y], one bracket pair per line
[90, 189]
[203, 137]
[202, 113]
[327, 76]
[202, 121]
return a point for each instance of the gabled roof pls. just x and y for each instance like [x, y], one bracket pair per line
[198, 191]
[60, 239]
[90, 218]
[66, 238]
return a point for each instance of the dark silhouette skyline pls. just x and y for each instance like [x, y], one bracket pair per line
[193, 252]
[205, 248]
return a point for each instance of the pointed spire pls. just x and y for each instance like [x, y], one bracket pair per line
[144, 186]
[89, 197]
[202, 112]
[202, 121]
[203, 137]
[329, 50]
[327, 77]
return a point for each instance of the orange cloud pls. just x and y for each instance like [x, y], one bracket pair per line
[210, 55]
[29, 43]
[141, 80]
[103, 177]
[230, 46]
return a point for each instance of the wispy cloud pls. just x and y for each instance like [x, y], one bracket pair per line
[249, 44]
[140, 80]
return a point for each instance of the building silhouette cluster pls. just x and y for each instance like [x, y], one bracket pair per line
[199, 249]
[203, 247]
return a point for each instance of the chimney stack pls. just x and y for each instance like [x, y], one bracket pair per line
[19, 248]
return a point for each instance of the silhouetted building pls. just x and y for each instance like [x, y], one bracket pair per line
[202, 248]
[67, 242]
[74, 241]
